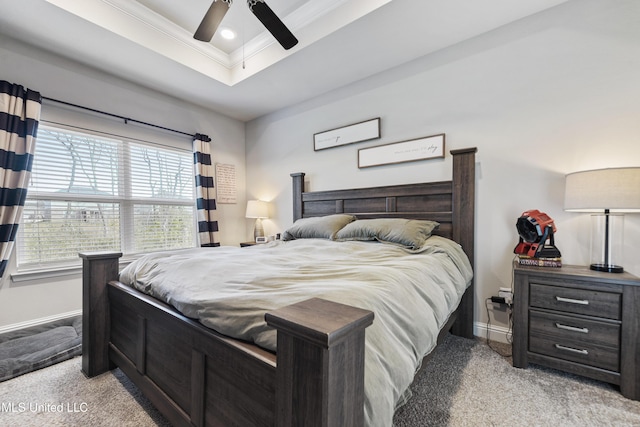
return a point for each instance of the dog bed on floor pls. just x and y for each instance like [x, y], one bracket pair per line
[39, 346]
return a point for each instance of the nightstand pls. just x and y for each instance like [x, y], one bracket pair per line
[581, 321]
[245, 244]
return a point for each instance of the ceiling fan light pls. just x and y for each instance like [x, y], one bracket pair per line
[228, 34]
[259, 8]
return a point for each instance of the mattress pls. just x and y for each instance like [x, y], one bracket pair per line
[411, 292]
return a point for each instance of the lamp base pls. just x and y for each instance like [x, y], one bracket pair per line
[607, 268]
[258, 230]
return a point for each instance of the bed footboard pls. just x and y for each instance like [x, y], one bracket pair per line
[312, 335]
[197, 377]
[96, 267]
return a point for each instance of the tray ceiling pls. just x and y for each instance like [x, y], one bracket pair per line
[150, 42]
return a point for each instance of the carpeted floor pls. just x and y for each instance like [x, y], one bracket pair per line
[465, 384]
[471, 385]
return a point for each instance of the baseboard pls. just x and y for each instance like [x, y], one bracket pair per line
[40, 321]
[495, 333]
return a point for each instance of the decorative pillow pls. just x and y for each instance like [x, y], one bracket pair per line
[321, 227]
[410, 233]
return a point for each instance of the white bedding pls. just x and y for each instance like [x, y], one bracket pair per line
[229, 289]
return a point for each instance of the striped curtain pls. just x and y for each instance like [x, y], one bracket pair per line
[205, 191]
[19, 116]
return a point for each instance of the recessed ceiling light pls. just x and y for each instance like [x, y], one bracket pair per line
[228, 34]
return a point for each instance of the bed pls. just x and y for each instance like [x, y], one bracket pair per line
[196, 376]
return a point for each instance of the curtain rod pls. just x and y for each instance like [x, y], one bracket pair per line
[126, 119]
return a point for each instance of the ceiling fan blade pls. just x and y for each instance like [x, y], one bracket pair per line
[272, 23]
[211, 20]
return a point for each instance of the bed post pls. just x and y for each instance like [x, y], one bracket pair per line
[320, 363]
[298, 189]
[464, 178]
[98, 268]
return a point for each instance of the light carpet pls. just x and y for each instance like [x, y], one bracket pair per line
[465, 384]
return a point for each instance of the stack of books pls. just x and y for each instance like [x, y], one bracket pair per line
[539, 262]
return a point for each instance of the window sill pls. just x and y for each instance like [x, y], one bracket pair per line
[23, 276]
[72, 271]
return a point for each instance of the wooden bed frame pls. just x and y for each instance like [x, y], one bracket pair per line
[196, 377]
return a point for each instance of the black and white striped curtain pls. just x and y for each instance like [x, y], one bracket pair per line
[19, 117]
[205, 191]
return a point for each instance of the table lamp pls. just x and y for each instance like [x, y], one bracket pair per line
[608, 192]
[257, 209]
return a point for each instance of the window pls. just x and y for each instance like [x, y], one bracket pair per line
[89, 192]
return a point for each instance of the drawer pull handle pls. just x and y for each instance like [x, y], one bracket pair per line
[572, 350]
[572, 328]
[573, 301]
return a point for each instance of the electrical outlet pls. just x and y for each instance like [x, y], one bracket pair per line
[506, 294]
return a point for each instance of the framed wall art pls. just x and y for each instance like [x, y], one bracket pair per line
[428, 147]
[357, 132]
[226, 188]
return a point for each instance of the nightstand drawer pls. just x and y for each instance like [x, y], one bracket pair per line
[579, 301]
[582, 352]
[567, 328]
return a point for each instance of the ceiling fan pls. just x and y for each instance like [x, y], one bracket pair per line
[260, 9]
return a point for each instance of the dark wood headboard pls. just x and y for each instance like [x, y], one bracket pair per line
[451, 203]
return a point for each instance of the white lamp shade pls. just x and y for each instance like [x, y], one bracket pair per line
[257, 209]
[616, 189]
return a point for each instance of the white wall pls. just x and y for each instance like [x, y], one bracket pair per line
[58, 78]
[554, 93]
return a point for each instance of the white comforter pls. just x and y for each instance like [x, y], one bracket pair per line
[229, 289]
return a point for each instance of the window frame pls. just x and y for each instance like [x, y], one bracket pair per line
[125, 200]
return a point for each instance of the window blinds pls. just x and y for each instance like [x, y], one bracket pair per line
[89, 192]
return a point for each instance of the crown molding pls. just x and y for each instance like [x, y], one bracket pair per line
[160, 24]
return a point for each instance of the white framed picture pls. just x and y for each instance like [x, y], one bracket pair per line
[357, 132]
[428, 147]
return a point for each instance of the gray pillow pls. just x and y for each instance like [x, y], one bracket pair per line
[321, 227]
[410, 233]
